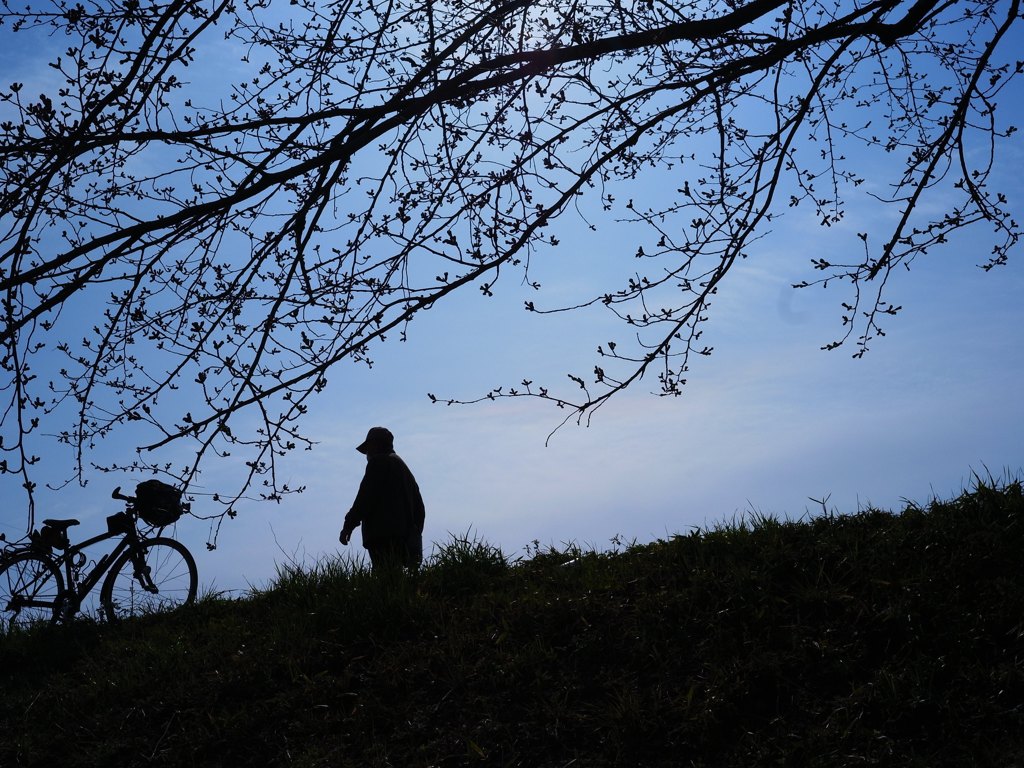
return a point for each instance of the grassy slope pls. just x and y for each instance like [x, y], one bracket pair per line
[873, 638]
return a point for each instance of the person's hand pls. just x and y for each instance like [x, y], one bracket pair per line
[345, 537]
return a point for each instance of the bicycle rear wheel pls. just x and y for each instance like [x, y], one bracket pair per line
[31, 591]
[155, 575]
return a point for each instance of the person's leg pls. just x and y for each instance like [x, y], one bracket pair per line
[413, 548]
[387, 555]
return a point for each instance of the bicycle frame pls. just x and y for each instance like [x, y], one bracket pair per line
[78, 589]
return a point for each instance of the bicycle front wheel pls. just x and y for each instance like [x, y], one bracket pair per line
[31, 591]
[154, 575]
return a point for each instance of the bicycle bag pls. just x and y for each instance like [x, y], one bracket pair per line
[157, 502]
[49, 538]
[119, 523]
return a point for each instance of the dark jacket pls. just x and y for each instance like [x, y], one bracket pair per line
[388, 505]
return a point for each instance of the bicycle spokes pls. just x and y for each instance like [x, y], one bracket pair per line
[31, 591]
[157, 575]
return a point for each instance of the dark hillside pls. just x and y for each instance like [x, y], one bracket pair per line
[868, 639]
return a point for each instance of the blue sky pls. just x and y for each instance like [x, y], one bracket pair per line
[766, 424]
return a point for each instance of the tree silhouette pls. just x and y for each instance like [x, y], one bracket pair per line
[237, 197]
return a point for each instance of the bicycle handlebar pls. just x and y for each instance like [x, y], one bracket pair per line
[118, 495]
[185, 507]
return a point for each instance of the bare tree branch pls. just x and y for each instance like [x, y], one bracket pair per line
[235, 240]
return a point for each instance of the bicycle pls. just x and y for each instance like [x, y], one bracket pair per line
[144, 573]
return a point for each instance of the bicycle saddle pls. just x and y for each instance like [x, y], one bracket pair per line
[61, 524]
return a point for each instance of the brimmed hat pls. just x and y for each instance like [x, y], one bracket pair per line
[378, 440]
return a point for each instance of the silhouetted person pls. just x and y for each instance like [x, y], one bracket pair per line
[388, 506]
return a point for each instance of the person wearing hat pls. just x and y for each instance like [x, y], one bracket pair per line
[388, 506]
